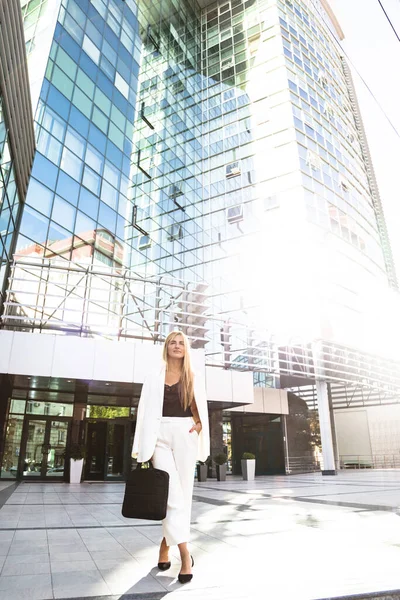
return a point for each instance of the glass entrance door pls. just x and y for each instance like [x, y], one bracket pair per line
[95, 463]
[107, 450]
[43, 448]
[115, 450]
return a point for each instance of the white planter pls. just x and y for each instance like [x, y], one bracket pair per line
[248, 469]
[75, 472]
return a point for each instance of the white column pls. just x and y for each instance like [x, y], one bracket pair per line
[325, 428]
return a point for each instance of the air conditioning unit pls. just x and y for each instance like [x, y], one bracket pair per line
[328, 110]
[178, 87]
[175, 191]
[313, 161]
[175, 232]
[350, 137]
[234, 214]
[233, 170]
[144, 242]
[323, 79]
[271, 202]
[227, 64]
[344, 184]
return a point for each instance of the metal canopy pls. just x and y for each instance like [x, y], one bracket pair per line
[114, 303]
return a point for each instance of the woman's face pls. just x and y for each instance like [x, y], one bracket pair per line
[176, 347]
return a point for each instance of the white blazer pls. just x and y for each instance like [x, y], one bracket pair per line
[150, 413]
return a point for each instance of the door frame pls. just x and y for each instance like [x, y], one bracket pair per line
[24, 439]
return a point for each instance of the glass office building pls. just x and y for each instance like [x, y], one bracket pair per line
[273, 195]
[200, 165]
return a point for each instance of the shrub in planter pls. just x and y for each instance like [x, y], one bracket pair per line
[202, 470]
[248, 466]
[220, 461]
[76, 455]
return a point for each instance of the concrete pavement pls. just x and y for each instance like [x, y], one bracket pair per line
[301, 537]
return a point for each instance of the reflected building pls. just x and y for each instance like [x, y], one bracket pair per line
[199, 165]
[84, 117]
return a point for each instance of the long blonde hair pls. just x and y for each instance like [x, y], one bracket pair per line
[186, 380]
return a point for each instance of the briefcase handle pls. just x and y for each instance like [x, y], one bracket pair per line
[149, 464]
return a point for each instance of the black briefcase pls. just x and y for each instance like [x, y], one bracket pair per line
[146, 493]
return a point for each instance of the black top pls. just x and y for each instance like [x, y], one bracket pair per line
[172, 406]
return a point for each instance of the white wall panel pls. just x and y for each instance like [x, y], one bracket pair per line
[242, 387]
[219, 384]
[31, 354]
[147, 358]
[6, 340]
[352, 433]
[73, 357]
[266, 401]
[114, 361]
[275, 401]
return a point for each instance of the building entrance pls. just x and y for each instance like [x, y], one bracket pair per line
[108, 446]
[43, 445]
[263, 436]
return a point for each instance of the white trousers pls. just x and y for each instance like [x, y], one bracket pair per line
[176, 452]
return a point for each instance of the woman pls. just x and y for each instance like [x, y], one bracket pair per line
[172, 430]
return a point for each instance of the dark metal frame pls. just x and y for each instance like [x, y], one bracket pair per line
[24, 439]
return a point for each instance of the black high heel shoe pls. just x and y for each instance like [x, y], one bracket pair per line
[164, 566]
[186, 578]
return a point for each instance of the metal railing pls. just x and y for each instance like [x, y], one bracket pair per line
[370, 461]
[302, 464]
[94, 300]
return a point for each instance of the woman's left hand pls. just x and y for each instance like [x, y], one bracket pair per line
[196, 427]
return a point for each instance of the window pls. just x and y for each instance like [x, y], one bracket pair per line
[121, 85]
[234, 214]
[71, 164]
[91, 50]
[106, 260]
[233, 170]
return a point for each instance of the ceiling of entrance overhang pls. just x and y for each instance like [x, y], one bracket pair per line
[38, 385]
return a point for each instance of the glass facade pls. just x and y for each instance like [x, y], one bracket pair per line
[166, 235]
[9, 202]
[76, 206]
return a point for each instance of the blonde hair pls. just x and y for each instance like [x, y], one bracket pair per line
[186, 379]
